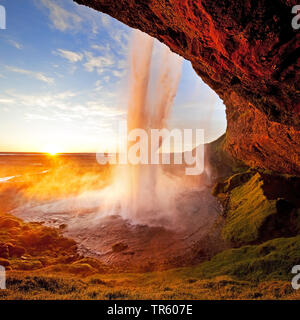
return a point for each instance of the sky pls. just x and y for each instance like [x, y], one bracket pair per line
[64, 81]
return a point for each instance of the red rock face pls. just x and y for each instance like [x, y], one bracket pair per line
[252, 138]
[246, 51]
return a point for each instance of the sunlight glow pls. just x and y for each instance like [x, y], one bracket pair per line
[51, 150]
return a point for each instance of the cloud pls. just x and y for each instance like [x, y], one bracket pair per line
[65, 95]
[65, 15]
[97, 63]
[33, 116]
[71, 56]
[94, 108]
[92, 62]
[105, 19]
[63, 105]
[102, 48]
[61, 100]
[119, 73]
[6, 101]
[15, 44]
[38, 100]
[60, 17]
[120, 37]
[36, 75]
[98, 85]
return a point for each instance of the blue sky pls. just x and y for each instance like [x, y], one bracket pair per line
[64, 80]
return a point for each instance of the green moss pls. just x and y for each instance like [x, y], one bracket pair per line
[232, 182]
[273, 259]
[248, 209]
[258, 207]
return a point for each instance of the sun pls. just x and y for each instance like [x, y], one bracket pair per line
[52, 150]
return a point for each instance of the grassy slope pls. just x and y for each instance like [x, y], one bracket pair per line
[186, 283]
[272, 260]
[201, 282]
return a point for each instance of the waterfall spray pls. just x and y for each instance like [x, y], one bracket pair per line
[143, 113]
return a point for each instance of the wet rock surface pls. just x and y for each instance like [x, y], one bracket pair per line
[127, 246]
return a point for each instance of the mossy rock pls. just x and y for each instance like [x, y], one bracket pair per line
[94, 263]
[4, 253]
[4, 262]
[252, 217]
[232, 182]
[80, 268]
[26, 264]
[15, 251]
[9, 222]
[272, 260]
